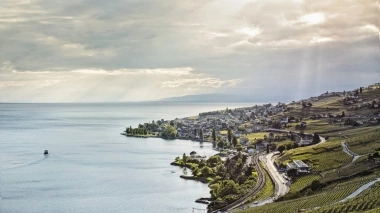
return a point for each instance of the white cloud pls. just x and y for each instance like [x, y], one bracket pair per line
[317, 39]
[201, 82]
[370, 27]
[312, 19]
[159, 71]
[248, 31]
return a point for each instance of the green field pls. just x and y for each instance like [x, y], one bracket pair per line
[326, 197]
[320, 158]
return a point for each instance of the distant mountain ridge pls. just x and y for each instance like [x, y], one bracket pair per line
[222, 97]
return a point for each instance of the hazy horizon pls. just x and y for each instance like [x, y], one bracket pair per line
[128, 50]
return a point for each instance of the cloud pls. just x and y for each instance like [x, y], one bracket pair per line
[251, 32]
[312, 19]
[201, 82]
[159, 71]
[98, 50]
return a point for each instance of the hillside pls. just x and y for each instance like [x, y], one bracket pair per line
[350, 122]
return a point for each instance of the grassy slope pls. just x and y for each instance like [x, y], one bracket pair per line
[328, 161]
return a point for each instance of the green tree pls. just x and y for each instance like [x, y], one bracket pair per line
[214, 159]
[195, 171]
[184, 159]
[227, 187]
[206, 171]
[234, 141]
[201, 134]
[316, 138]
[295, 145]
[288, 146]
[315, 185]
[281, 148]
[229, 136]
[343, 114]
[213, 135]
[220, 144]
[169, 132]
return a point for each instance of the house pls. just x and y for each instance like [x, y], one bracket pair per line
[300, 166]
[244, 141]
[284, 120]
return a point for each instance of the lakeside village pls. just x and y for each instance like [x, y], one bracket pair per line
[240, 134]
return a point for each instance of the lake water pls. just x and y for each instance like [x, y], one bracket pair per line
[91, 167]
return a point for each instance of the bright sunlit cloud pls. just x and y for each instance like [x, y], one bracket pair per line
[313, 18]
[251, 32]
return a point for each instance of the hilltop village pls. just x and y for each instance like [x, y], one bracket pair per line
[308, 155]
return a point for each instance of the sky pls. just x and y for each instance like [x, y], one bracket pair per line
[130, 50]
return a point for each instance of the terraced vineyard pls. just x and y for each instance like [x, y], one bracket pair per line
[367, 200]
[320, 158]
[365, 144]
[328, 196]
[302, 182]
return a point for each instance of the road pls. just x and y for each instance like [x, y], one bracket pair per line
[281, 187]
[359, 190]
[349, 152]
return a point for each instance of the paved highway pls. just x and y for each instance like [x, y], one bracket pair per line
[281, 185]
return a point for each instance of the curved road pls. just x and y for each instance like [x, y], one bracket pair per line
[281, 185]
[359, 190]
[349, 152]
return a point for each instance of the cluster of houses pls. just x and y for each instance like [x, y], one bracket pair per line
[241, 121]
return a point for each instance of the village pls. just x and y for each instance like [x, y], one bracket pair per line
[241, 122]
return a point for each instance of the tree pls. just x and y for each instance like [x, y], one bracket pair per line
[169, 132]
[281, 148]
[273, 147]
[213, 135]
[267, 148]
[201, 133]
[184, 159]
[288, 146]
[220, 144]
[206, 171]
[195, 171]
[214, 159]
[234, 141]
[295, 145]
[343, 114]
[229, 136]
[316, 138]
[361, 90]
[315, 185]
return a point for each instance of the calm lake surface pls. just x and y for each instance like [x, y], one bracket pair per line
[91, 167]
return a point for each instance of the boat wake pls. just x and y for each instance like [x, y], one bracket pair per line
[26, 165]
